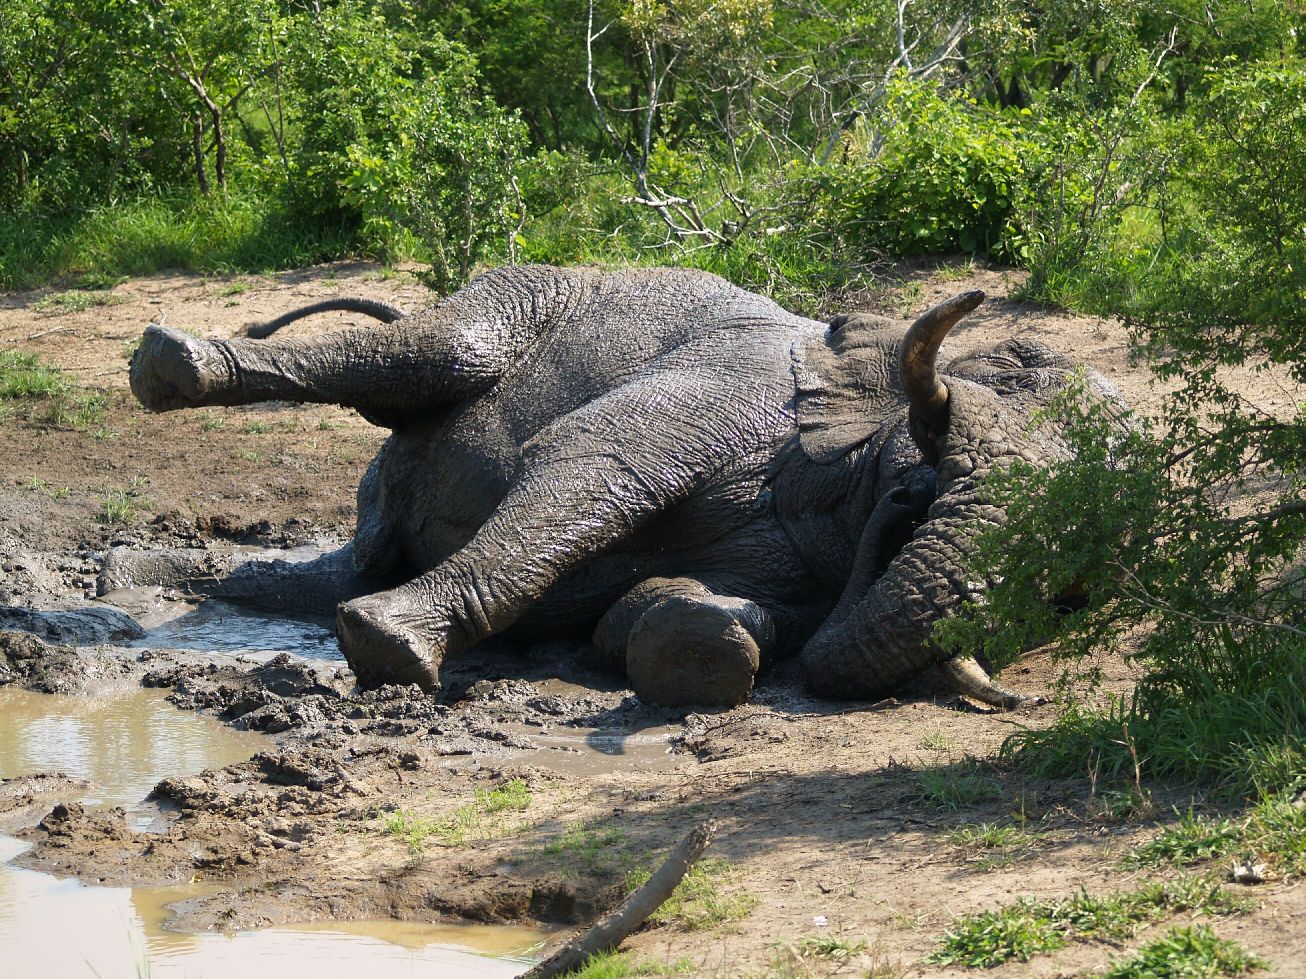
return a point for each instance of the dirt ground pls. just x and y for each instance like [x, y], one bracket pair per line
[831, 821]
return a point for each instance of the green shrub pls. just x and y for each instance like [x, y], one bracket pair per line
[947, 177]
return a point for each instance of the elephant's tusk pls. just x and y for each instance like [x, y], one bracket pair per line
[920, 348]
[967, 677]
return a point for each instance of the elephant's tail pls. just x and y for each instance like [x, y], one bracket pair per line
[383, 311]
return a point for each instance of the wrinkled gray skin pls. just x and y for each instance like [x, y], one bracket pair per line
[703, 479]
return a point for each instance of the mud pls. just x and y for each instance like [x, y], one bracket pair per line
[826, 819]
[121, 741]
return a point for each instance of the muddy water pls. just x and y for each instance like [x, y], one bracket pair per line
[123, 744]
[215, 626]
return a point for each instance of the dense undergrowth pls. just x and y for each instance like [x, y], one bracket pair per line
[1139, 159]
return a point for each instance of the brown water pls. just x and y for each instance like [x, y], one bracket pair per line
[124, 744]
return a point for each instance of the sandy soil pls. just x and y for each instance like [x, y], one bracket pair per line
[826, 820]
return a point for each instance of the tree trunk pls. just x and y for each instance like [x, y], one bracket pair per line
[220, 148]
[197, 147]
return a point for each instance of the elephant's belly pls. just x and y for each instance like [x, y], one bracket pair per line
[438, 486]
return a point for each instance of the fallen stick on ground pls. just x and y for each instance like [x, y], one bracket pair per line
[616, 927]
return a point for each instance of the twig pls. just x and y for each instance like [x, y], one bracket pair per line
[616, 927]
[46, 333]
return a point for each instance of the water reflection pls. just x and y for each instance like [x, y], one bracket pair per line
[124, 744]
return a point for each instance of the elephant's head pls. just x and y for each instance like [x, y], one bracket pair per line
[966, 419]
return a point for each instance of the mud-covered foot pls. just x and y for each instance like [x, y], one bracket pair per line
[683, 651]
[171, 369]
[380, 650]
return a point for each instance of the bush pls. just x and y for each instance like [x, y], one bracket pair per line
[941, 173]
[1191, 524]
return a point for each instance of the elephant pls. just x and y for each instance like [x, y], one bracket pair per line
[699, 479]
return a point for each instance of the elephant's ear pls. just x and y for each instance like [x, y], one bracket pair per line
[846, 384]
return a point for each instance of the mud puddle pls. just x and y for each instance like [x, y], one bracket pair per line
[176, 621]
[123, 744]
[215, 626]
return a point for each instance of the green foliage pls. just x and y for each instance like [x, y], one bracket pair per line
[939, 174]
[403, 142]
[1191, 522]
[1186, 953]
[700, 900]
[1275, 829]
[1031, 927]
[40, 394]
[956, 786]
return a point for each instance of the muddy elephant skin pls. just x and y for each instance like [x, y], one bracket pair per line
[701, 479]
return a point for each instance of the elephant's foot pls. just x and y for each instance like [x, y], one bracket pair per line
[171, 369]
[381, 650]
[684, 651]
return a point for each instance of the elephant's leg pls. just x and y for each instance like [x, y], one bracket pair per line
[590, 482]
[308, 587]
[680, 643]
[381, 372]
[441, 355]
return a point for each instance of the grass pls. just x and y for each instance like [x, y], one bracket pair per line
[619, 965]
[1275, 830]
[1186, 953]
[38, 485]
[224, 233]
[482, 818]
[121, 506]
[949, 788]
[43, 394]
[833, 947]
[936, 741]
[1031, 927]
[700, 900]
[995, 845]
[1242, 734]
[582, 846]
[822, 955]
[75, 301]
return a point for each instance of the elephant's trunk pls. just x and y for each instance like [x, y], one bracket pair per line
[925, 391]
[878, 638]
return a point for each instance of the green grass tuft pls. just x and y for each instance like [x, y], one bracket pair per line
[619, 965]
[1274, 829]
[42, 394]
[961, 785]
[700, 900]
[1030, 927]
[75, 301]
[482, 818]
[1186, 953]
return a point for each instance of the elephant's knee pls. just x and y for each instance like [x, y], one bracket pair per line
[682, 644]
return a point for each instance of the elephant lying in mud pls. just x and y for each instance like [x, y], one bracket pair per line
[700, 478]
